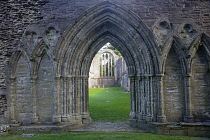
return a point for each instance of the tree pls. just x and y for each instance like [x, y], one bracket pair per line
[109, 46]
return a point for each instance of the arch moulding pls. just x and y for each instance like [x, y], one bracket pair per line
[107, 22]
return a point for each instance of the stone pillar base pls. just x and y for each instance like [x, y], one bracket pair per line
[86, 120]
[149, 118]
[77, 117]
[35, 119]
[188, 119]
[142, 117]
[64, 118]
[132, 115]
[133, 122]
[85, 115]
[56, 119]
[161, 119]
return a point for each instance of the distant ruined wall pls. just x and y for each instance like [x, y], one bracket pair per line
[119, 78]
[29, 34]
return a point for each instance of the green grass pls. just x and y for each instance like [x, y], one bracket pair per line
[109, 104]
[100, 136]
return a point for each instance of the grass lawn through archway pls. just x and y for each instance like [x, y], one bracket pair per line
[109, 104]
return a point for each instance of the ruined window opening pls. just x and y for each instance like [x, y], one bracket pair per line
[106, 65]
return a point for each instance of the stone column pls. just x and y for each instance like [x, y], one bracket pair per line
[84, 99]
[68, 99]
[64, 116]
[33, 82]
[57, 106]
[12, 100]
[142, 98]
[75, 86]
[104, 56]
[149, 116]
[138, 97]
[86, 96]
[71, 99]
[112, 67]
[82, 94]
[188, 110]
[133, 98]
[108, 74]
[161, 107]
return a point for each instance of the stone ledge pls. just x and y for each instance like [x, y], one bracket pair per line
[201, 129]
[46, 128]
[196, 124]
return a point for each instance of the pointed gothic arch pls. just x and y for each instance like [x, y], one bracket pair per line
[40, 50]
[43, 79]
[108, 22]
[199, 77]
[14, 60]
[48, 82]
[175, 42]
[174, 68]
[202, 40]
[19, 88]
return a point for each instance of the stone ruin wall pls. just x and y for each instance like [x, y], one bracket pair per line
[120, 77]
[185, 19]
[16, 15]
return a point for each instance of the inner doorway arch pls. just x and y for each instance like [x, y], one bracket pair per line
[107, 22]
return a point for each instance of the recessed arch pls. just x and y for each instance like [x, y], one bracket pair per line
[173, 85]
[117, 44]
[199, 77]
[202, 40]
[14, 61]
[20, 88]
[99, 44]
[45, 90]
[106, 14]
[175, 43]
[36, 57]
[107, 22]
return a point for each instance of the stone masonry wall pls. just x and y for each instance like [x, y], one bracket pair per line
[120, 72]
[16, 15]
[3, 104]
[54, 16]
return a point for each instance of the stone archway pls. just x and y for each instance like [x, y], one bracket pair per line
[107, 22]
[47, 78]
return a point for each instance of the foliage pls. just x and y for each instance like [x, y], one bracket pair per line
[114, 49]
[32, 58]
[109, 104]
